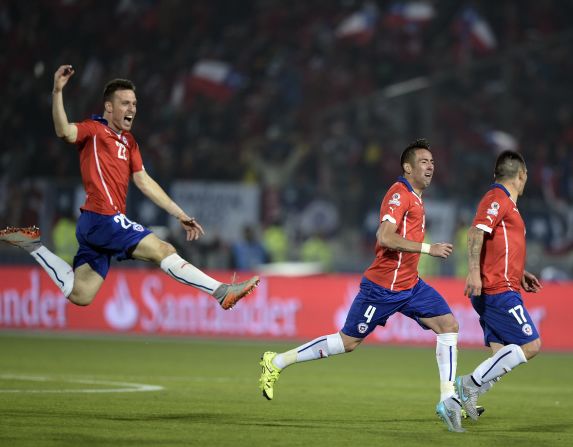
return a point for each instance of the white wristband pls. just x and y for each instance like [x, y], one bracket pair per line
[425, 248]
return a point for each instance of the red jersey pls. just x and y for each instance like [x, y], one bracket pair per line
[502, 259]
[107, 160]
[397, 270]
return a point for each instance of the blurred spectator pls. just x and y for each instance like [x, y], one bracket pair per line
[317, 249]
[275, 240]
[248, 253]
[64, 237]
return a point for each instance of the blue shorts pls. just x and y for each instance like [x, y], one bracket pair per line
[504, 319]
[375, 304]
[100, 237]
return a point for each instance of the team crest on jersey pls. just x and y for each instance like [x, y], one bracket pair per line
[526, 328]
[395, 200]
[124, 140]
[362, 328]
[493, 209]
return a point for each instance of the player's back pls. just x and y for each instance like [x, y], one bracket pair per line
[503, 255]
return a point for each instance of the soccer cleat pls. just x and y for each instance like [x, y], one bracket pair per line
[468, 394]
[449, 411]
[27, 238]
[479, 408]
[229, 294]
[269, 375]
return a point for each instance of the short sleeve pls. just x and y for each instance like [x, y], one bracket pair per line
[394, 205]
[490, 211]
[136, 163]
[86, 129]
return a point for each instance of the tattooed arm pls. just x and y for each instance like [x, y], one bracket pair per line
[475, 243]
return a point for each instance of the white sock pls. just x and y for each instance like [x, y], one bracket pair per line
[502, 362]
[59, 270]
[318, 348]
[179, 269]
[447, 358]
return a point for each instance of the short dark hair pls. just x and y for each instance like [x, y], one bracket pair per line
[409, 154]
[508, 164]
[114, 85]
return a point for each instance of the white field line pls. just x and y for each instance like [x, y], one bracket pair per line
[118, 387]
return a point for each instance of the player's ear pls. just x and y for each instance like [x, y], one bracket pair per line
[407, 168]
[108, 106]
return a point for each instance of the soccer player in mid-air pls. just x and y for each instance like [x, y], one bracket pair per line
[496, 262]
[109, 158]
[391, 284]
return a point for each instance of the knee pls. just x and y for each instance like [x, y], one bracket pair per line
[166, 249]
[351, 345]
[532, 349]
[450, 325]
[80, 299]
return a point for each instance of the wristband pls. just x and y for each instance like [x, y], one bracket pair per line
[425, 248]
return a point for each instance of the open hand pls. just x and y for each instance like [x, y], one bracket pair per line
[473, 284]
[441, 250]
[192, 228]
[530, 283]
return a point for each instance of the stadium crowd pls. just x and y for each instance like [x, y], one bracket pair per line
[295, 97]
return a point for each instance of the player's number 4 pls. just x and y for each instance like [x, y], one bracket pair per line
[518, 313]
[369, 313]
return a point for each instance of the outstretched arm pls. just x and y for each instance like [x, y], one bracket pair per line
[157, 195]
[475, 244]
[387, 237]
[64, 129]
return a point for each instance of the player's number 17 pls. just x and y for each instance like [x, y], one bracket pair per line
[520, 317]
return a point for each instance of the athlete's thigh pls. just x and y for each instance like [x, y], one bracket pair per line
[372, 307]
[153, 249]
[429, 309]
[87, 283]
[440, 324]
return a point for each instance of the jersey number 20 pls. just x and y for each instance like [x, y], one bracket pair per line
[121, 150]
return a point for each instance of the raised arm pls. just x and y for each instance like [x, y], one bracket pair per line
[388, 238]
[157, 195]
[473, 280]
[64, 129]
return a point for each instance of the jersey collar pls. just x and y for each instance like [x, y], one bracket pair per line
[500, 186]
[403, 180]
[101, 119]
[406, 182]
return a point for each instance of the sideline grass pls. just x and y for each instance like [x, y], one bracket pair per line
[374, 396]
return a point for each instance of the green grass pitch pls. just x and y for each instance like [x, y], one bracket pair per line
[55, 391]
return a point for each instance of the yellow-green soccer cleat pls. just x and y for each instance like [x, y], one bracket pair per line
[269, 375]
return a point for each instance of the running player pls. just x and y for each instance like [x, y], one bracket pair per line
[391, 284]
[109, 158]
[496, 261]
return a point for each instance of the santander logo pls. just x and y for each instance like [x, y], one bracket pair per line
[153, 306]
[120, 310]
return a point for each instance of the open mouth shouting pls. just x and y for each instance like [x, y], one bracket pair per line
[127, 120]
